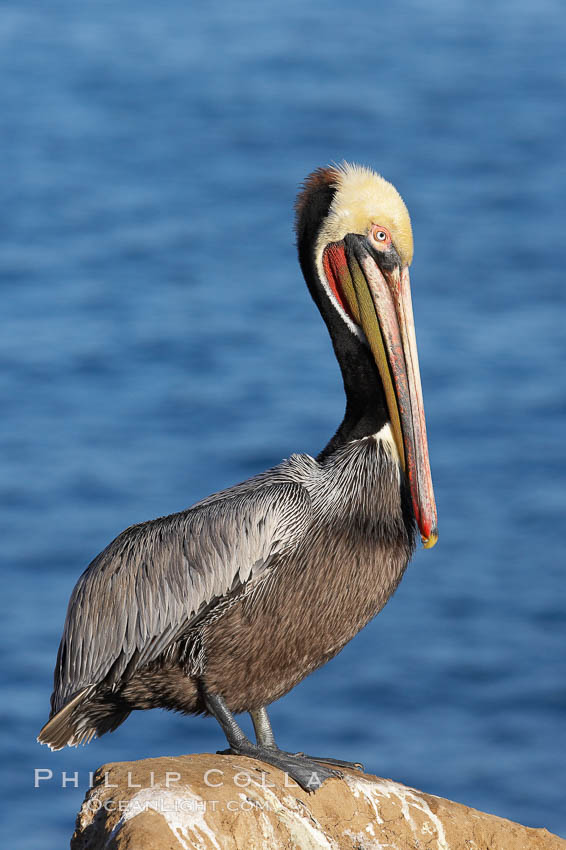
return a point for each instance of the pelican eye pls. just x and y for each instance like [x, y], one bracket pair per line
[380, 235]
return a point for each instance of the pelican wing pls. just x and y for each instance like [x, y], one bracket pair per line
[151, 582]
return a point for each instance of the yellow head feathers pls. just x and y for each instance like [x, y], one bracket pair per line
[364, 198]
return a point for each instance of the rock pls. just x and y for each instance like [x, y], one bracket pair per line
[211, 802]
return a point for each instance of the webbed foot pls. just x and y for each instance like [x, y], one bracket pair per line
[305, 771]
[353, 765]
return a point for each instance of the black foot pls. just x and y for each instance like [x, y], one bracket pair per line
[353, 765]
[307, 772]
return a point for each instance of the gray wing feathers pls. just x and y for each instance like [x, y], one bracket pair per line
[144, 589]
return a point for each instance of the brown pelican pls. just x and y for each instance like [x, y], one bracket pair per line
[224, 607]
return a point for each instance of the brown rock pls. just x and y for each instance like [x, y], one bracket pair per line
[209, 802]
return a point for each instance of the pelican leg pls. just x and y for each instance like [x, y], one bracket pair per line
[305, 772]
[234, 733]
[262, 726]
[265, 738]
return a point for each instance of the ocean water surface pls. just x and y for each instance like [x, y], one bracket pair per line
[158, 343]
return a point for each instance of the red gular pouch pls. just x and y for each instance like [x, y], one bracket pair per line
[337, 272]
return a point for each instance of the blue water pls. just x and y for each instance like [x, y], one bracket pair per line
[158, 343]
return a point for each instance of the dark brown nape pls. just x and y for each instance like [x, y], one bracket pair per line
[311, 208]
[315, 196]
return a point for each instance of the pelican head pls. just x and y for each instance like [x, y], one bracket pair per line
[355, 247]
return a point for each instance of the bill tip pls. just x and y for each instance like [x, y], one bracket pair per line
[431, 540]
